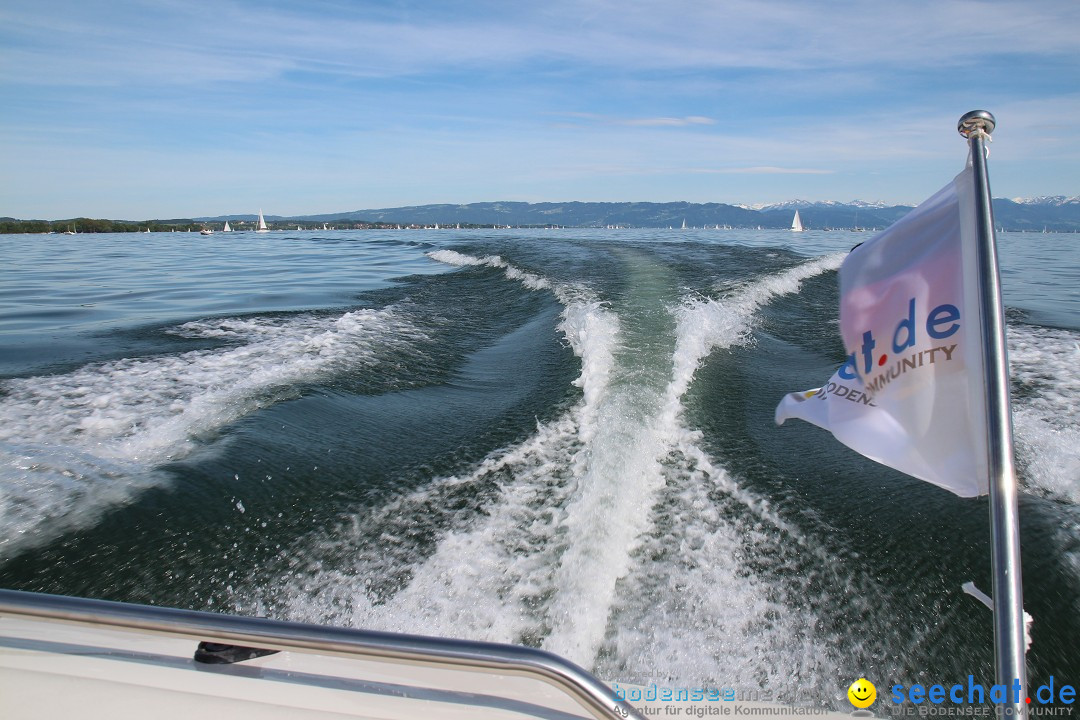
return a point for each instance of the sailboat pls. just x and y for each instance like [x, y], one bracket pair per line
[262, 223]
[796, 223]
[226, 228]
[684, 224]
[857, 228]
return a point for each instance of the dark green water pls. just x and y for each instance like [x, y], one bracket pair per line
[558, 438]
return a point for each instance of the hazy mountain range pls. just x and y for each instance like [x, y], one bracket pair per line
[1057, 213]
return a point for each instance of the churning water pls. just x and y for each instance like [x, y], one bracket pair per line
[558, 438]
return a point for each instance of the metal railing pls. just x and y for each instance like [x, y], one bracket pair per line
[592, 694]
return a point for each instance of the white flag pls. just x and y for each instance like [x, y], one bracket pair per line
[911, 394]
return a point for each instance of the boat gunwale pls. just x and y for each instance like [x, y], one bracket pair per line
[446, 653]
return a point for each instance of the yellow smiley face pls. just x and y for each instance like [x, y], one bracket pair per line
[862, 693]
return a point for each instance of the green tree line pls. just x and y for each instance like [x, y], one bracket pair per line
[92, 225]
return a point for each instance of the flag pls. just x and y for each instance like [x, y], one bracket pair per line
[910, 394]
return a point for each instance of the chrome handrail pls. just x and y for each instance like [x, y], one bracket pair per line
[594, 696]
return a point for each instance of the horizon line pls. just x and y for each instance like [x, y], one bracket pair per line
[783, 204]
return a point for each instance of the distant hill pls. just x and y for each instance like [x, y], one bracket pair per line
[574, 214]
[1058, 214]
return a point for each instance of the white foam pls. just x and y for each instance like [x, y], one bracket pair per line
[602, 524]
[481, 581]
[453, 257]
[725, 593]
[1046, 416]
[73, 443]
[528, 279]
[706, 324]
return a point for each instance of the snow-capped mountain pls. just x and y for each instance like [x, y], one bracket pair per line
[1049, 200]
[804, 204]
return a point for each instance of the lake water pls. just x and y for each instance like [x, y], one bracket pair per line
[561, 438]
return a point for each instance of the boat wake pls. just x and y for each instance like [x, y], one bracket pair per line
[618, 533]
[609, 536]
[75, 444]
[1045, 369]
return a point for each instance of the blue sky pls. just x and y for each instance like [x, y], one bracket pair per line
[180, 108]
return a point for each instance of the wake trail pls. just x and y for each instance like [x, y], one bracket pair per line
[609, 536]
[728, 598]
[488, 579]
[76, 443]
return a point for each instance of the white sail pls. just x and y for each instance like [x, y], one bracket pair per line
[796, 223]
[684, 224]
[226, 228]
[262, 224]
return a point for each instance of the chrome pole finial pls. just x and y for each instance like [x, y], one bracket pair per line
[976, 121]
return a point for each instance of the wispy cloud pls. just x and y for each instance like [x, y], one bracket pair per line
[594, 118]
[668, 121]
[760, 170]
[230, 39]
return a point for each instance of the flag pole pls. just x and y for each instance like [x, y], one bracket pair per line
[1009, 646]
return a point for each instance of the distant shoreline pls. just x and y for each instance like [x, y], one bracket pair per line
[1057, 214]
[87, 226]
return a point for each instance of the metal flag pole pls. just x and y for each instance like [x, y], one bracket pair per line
[1009, 646]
